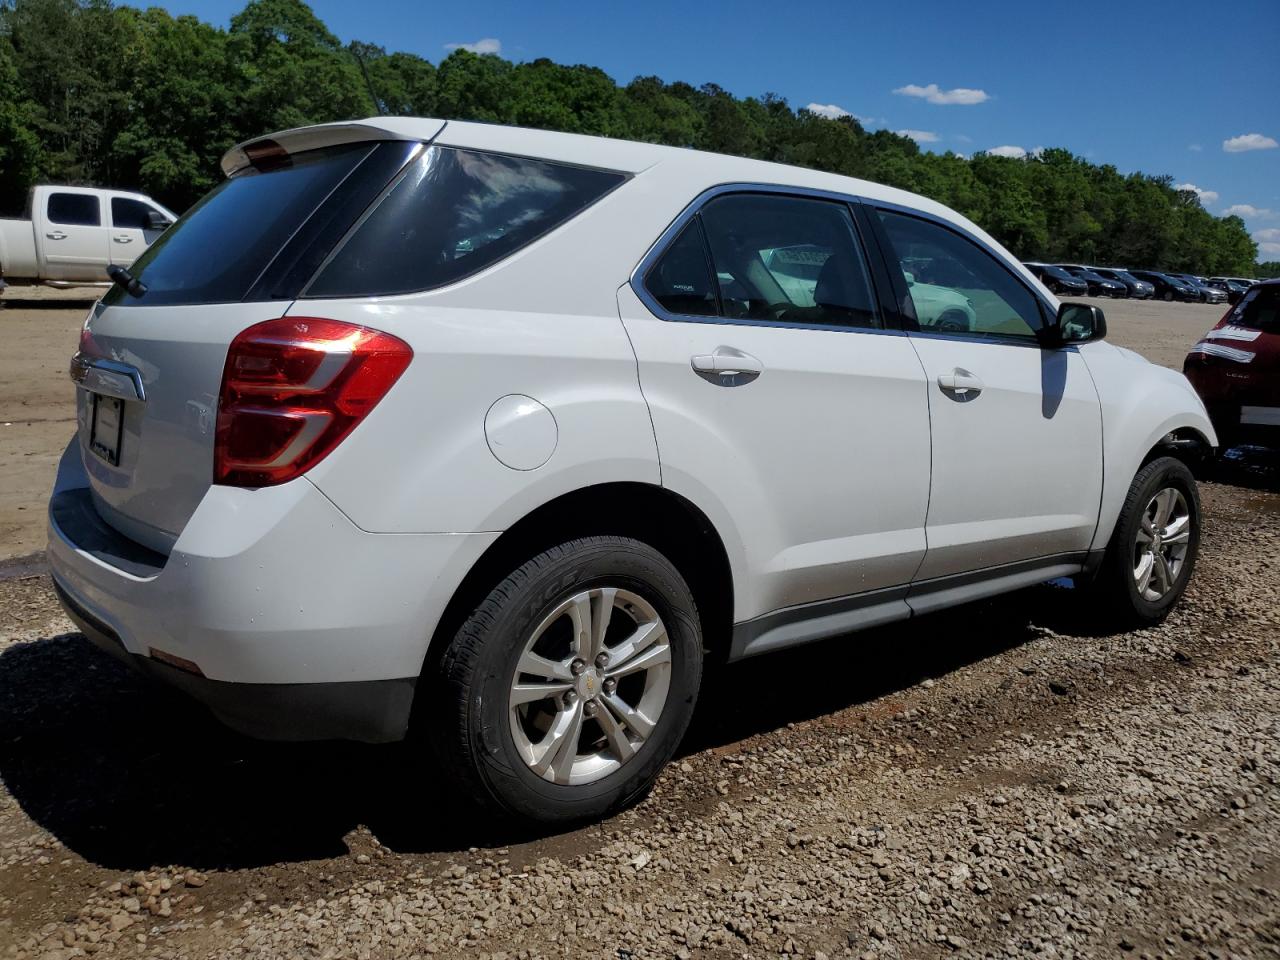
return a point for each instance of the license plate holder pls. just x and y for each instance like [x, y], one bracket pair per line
[106, 428]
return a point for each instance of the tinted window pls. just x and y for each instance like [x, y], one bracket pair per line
[74, 209]
[681, 279]
[453, 213]
[129, 214]
[787, 260]
[217, 249]
[955, 285]
[1259, 309]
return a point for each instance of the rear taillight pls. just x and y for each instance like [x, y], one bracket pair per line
[292, 389]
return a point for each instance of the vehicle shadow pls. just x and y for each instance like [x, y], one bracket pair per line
[130, 775]
[1250, 466]
[12, 301]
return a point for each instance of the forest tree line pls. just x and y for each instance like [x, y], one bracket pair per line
[93, 93]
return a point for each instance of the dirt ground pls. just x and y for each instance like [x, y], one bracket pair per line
[1006, 779]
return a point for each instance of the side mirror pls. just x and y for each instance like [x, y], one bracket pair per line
[157, 220]
[1075, 323]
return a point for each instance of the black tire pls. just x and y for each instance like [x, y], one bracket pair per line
[1115, 584]
[1168, 296]
[471, 733]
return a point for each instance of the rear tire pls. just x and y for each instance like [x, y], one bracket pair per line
[1152, 552]
[569, 753]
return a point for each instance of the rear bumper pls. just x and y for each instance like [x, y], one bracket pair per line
[291, 622]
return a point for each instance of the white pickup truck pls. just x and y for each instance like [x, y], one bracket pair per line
[72, 234]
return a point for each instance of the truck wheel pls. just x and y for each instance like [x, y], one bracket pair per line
[1153, 548]
[569, 688]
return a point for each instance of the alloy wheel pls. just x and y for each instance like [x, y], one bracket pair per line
[1161, 543]
[590, 685]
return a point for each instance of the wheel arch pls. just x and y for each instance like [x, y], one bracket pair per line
[655, 515]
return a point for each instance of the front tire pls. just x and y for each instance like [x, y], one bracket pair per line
[1152, 552]
[565, 693]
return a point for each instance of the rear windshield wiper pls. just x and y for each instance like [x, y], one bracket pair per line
[123, 278]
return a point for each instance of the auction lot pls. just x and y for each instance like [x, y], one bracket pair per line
[1006, 779]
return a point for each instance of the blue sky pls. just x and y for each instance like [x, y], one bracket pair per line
[1186, 89]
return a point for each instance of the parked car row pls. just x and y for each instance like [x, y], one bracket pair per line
[1074, 279]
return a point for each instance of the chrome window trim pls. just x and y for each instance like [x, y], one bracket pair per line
[668, 236]
[659, 247]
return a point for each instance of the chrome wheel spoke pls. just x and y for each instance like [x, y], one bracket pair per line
[554, 754]
[538, 666]
[525, 692]
[1142, 573]
[601, 614]
[645, 636]
[580, 614]
[1163, 577]
[636, 722]
[619, 743]
[1178, 531]
[650, 658]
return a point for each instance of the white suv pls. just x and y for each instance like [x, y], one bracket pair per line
[496, 435]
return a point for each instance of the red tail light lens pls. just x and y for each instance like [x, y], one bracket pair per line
[292, 389]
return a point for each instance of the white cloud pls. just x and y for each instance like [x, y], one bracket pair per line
[1249, 141]
[1007, 151]
[829, 110]
[484, 45]
[1272, 248]
[1195, 148]
[833, 111]
[1248, 211]
[1206, 196]
[1271, 235]
[919, 136]
[935, 94]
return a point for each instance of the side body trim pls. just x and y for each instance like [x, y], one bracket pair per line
[808, 622]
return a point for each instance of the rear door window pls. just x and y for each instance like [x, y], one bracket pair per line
[218, 248]
[74, 209]
[453, 213]
[768, 258]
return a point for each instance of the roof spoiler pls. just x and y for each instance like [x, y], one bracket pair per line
[268, 151]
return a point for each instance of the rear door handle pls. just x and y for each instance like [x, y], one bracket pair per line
[961, 384]
[122, 239]
[56, 235]
[727, 367]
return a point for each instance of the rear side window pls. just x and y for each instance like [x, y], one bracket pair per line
[453, 213]
[218, 248]
[681, 279]
[776, 259]
[74, 209]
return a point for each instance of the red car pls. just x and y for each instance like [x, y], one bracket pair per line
[1236, 368]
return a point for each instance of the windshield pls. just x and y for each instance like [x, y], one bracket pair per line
[1057, 273]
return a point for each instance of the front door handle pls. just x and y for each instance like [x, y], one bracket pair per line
[56, 235]
[726, 367]
[960, 384]
[123, 239]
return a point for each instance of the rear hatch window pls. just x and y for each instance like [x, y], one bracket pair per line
[261, 234]
[1259, 309]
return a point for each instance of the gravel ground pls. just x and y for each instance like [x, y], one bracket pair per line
[1006, 779]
